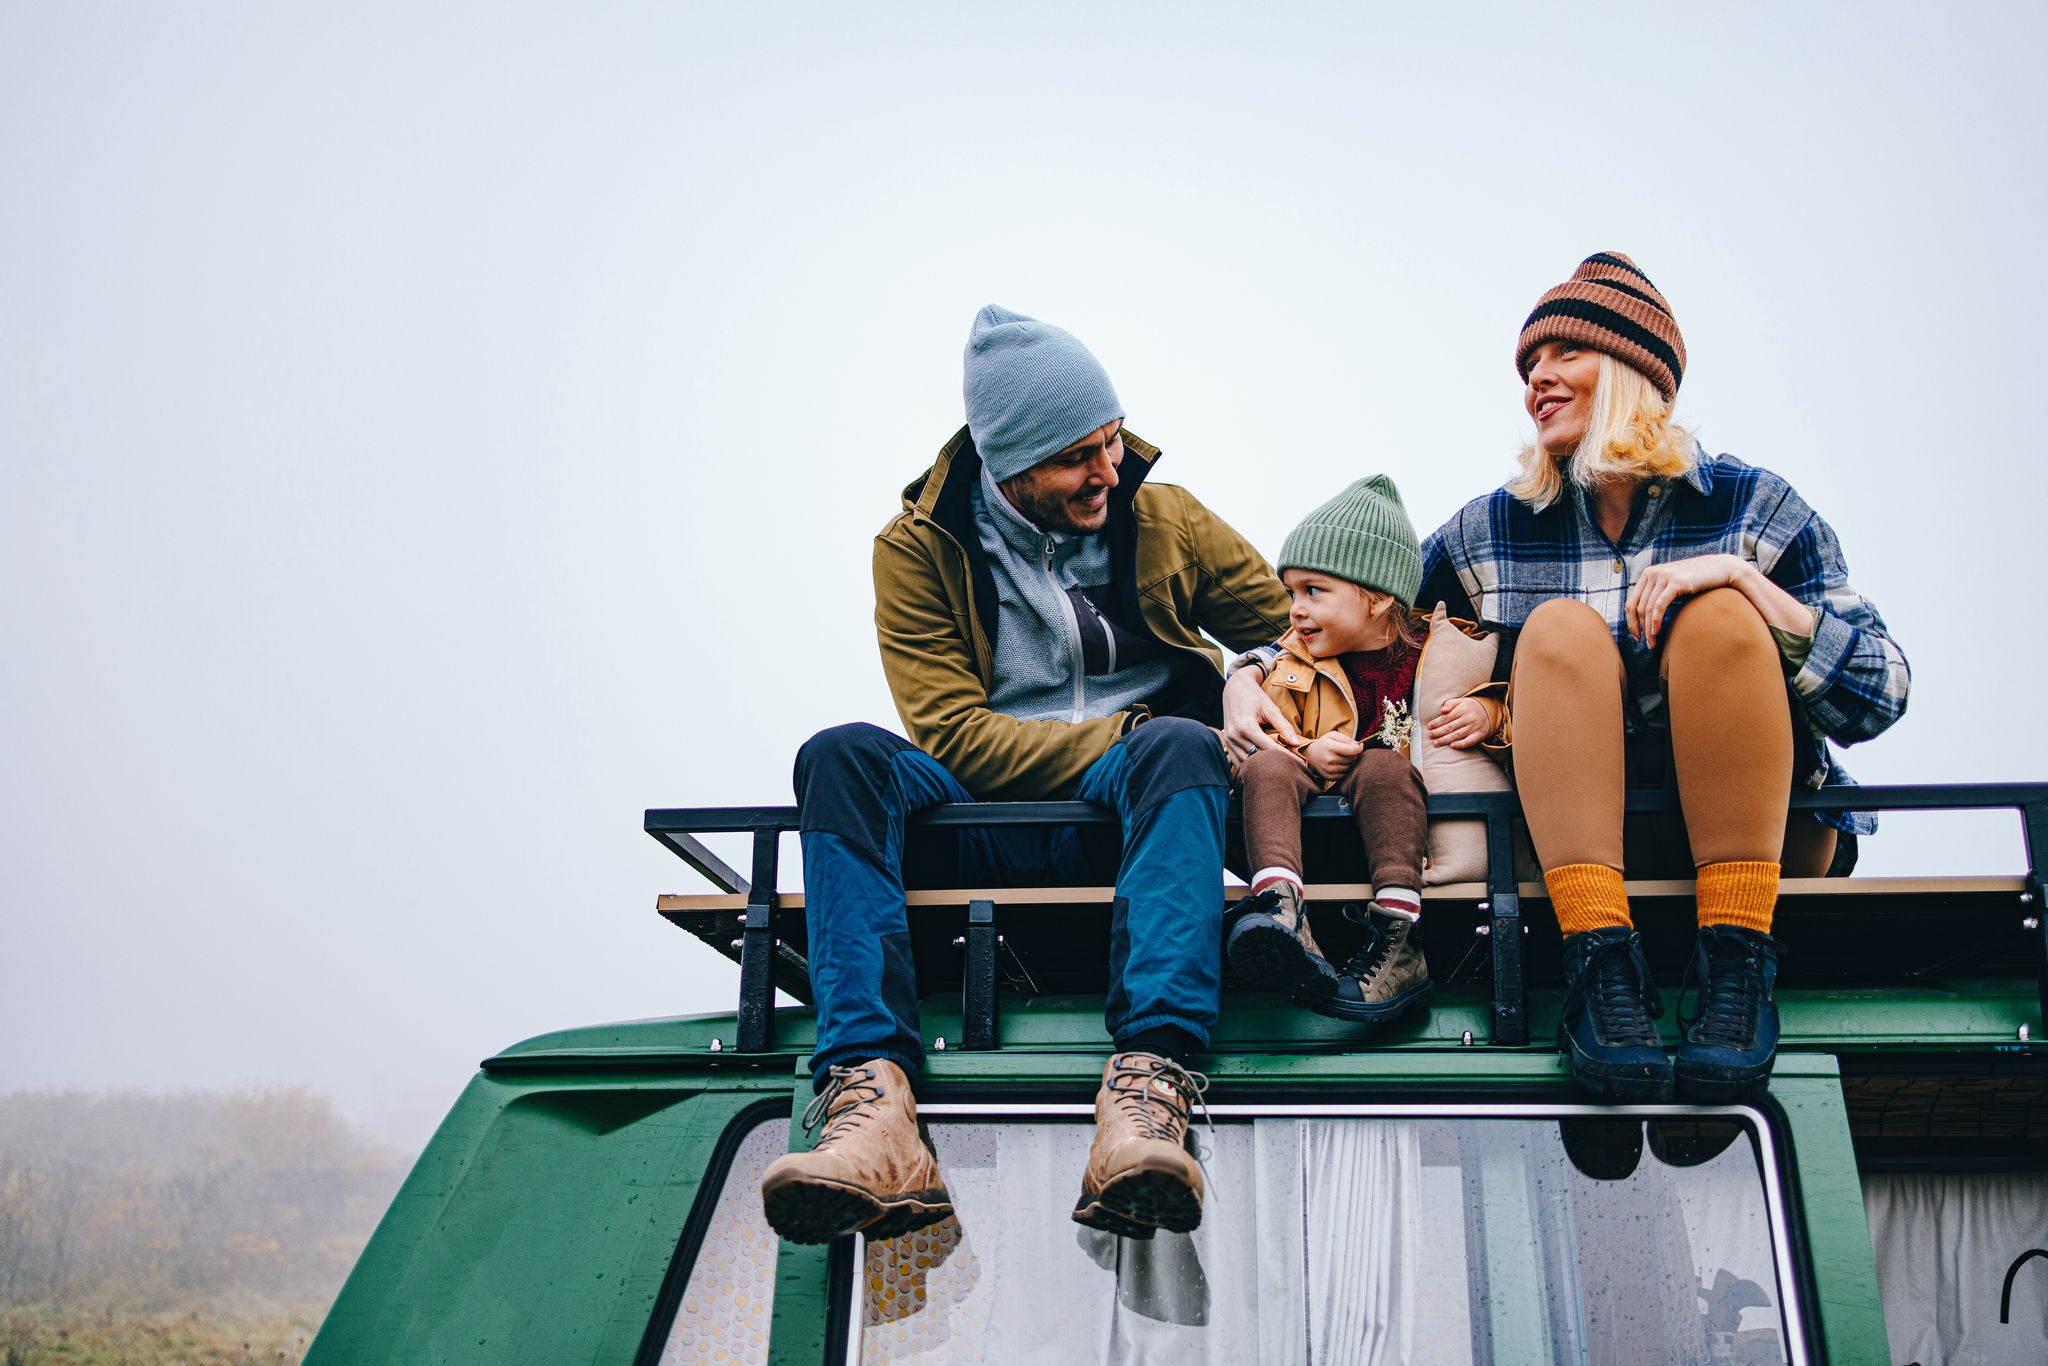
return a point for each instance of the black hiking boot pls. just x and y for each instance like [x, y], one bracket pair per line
[1732, 1039]
[1608, 1025]
[1270, 948]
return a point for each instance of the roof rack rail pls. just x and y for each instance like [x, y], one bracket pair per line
[763, 957]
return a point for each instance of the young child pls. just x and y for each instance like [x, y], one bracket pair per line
[1344, 679]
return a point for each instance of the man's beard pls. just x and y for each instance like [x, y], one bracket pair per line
[1049, 512]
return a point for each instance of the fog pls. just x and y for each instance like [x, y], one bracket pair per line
[187, 1196]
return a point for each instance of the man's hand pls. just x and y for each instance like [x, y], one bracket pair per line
[1249, 715]
[1463, 723]
[1331, 757]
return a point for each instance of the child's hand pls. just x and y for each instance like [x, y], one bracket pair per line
[1463, 723]
[1331, 757]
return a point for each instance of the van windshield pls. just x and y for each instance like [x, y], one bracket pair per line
[1610, 1237]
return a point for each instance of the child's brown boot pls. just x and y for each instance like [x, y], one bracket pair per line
[1270, 948]
[1387, 975]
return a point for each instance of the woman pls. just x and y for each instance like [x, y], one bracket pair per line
[1665, 614]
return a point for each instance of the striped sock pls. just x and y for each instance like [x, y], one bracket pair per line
[1741, 894]
[1404, 902]
[1587, 896]
[1267, 877]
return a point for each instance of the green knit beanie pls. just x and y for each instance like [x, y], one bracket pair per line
[1363, 535]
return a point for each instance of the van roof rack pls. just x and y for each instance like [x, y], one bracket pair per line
[1045, 938]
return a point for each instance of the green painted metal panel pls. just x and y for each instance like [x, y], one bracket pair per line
[1830, 1199]
[803, 1291]
[536, 1228]
[1963, 1016]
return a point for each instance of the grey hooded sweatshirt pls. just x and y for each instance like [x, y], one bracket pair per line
[1056, 652]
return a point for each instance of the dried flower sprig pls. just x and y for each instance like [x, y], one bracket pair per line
[1397, 727]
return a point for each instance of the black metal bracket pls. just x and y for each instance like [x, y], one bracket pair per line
[757, 950]
[1504, 897]
[979, 1004]
[2034, 826]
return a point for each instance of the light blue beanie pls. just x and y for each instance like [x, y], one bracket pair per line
[1032, 390]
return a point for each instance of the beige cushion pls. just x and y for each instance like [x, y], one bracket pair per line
[1452, 665]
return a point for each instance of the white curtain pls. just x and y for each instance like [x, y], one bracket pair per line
[1337, 1213]
[1944, 1246]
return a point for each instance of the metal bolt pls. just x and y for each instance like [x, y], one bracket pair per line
[1482, 929]
[1465, 1040]
[2024, 1034]
[2026, 898]
[1485, 908]
[2032, 922]
[738, 943]
[717, 1044]
[939, 1044]
[959, 941]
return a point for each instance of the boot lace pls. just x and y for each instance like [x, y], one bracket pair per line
[845, 1105]
[1615, 988]
[1151, 1113]
[1372, 955]
[1729, 974]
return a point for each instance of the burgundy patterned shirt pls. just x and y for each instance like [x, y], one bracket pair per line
[1377, 676]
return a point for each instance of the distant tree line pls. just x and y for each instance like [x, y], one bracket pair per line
[260, 1191]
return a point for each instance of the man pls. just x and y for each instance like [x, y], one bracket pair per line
[1040, 610]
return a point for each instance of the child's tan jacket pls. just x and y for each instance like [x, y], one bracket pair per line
[1313, 694]
[1316, 698]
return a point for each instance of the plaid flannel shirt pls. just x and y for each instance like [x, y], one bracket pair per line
[1497, 558]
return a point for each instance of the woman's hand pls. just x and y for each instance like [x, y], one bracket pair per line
[1331, 757]
[1250, 720]
[1463, 723]
[1663, 585]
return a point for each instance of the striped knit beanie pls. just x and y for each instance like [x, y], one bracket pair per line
[1610, 306]
[1362, 536]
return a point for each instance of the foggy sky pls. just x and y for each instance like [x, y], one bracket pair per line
[432, 435]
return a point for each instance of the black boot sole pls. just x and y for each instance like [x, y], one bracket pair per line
[1148, 1199]
[825, 1211]
[1268, 958]
[1377, 1012]
[1718, 1087]
[1620, 1086]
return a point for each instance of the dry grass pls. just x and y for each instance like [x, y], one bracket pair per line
[194, 1333]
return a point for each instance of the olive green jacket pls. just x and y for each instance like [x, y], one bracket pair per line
[1181, 567]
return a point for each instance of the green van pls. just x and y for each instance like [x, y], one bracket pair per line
[1434, 1192]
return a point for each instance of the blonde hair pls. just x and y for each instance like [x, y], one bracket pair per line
[1630, 435]
[1409, 629]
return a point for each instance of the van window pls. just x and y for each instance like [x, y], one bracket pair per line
[1579, 1235]
[724, 1311]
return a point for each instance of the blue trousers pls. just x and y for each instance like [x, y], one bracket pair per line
[858, 784]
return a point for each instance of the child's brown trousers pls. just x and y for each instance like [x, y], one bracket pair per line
[1386, 795]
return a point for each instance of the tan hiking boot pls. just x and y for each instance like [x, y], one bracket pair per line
[1270, 947]
[1141, 1176]
[873, 1170]
[1387, 975]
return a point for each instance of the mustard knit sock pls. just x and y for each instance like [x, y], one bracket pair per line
[1587, 896]
[1741, 894]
